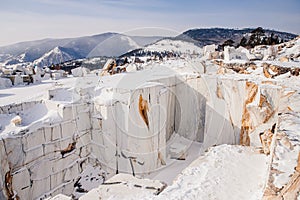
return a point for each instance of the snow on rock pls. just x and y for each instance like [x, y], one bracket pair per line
[16, 95]
[230, 53]
[124, 186]
[49, 146]
[31, 118]
[176, 46]
[59, 197]
[18, 80]
[289, 50]
[54, 56]
[5, 83]
[89, 179]
[80, 71]
[208, 49]
[240, 170]
[67, 95]
[178, 147]
[284, 176]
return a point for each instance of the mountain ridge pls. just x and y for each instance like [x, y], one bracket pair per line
[81, 45]
[113, 44]
[207, 36]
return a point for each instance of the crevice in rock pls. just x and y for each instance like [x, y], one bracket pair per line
[263, 103]
[8, 187]
[111, 183]
[143, 110]
[252, 89]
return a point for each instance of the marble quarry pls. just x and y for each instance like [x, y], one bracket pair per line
[122, 124]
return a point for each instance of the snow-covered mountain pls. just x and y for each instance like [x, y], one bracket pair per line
[56, 55]
[112, 44]
[32, 49]
[115, 44]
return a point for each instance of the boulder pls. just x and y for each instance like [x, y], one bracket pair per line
[80, 71]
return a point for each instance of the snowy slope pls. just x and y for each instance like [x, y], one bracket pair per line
[225, 172]
[55, 56]
[32, 49]
[82, 46]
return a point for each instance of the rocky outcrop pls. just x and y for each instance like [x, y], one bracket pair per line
[284, 180]
[271, 71]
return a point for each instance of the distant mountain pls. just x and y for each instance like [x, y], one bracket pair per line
[208, 36]
[54, 51]
[56, 55]
[32, 50]
[114, 46]
[107, 44]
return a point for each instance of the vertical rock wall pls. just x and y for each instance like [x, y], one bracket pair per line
[127, 143]
[45, 161]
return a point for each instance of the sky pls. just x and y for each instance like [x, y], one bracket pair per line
[25, 20]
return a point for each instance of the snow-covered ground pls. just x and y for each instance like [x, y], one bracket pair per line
[225, 172]
[174, 166]
[32, 92]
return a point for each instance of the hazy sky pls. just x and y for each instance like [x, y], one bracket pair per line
[22, 20]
